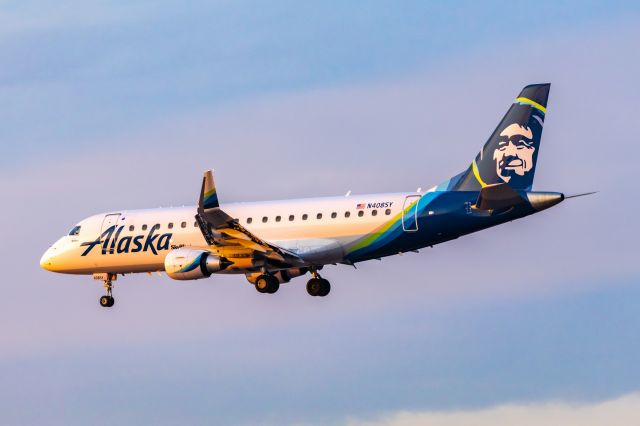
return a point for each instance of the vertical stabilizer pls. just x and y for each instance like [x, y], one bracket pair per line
[510, 154]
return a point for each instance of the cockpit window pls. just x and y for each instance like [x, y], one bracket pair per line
[75, 231]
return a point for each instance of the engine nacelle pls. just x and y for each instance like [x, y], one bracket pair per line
[189, 264]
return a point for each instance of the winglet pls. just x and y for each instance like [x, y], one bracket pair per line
[208, 208]
[208, 194]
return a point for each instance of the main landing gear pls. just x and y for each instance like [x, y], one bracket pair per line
[107, 300]
[266, 283]
[318, 286]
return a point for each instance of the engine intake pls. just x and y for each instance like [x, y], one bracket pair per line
[189, 264]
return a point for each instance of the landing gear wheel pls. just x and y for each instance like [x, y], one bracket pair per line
[267, 284]
[107, 301]
[318, 287]
[313, 286]
[262, 283]
[325, 287]
[274, 285]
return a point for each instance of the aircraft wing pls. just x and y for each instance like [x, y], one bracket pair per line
[218, 228]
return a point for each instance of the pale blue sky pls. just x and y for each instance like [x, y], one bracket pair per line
[72, 70]
[122, 105]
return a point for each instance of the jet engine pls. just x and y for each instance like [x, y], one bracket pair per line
[189, 264]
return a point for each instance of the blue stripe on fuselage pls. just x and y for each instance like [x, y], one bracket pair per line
[452, 217]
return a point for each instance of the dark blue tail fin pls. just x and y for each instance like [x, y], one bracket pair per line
[510, 154]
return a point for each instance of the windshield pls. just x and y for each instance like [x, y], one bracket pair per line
[75, 230]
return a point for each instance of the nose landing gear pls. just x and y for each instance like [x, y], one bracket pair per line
[107, 300]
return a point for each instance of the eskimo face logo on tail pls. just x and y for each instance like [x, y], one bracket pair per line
[129, 244]
[514, 153]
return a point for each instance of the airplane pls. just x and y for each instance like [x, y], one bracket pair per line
[273, 242]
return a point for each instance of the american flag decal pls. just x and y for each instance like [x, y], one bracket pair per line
[360, 206]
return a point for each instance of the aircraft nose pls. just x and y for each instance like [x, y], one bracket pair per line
[46, 261]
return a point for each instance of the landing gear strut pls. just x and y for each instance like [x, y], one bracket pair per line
[107, 300]
[267, 283]
[318, 286]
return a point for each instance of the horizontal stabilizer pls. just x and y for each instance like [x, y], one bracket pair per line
[498, 196]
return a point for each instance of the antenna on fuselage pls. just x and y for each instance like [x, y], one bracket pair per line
[348, 193]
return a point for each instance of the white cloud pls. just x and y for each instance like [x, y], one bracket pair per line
[623, 411]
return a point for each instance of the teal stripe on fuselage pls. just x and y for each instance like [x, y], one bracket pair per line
[394, 233]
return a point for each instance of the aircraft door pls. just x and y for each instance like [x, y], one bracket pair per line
[410, 213]
[108, 221]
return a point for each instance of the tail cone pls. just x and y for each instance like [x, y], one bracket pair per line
[544, 200]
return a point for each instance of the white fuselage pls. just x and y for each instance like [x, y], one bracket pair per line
[319, 229]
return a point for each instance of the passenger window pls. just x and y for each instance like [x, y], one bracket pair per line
[333, 215]
[319, 216]
[387, 212]
[347, 214]
[170, 226]
[249, 220]
[360, 213]
[305, 216]
[278, 218]
[131, 228]
[291, 218]
[75, 231]
[265, 219]
[374, 212]
[195, 224]
[183, 225]
[144, 227]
